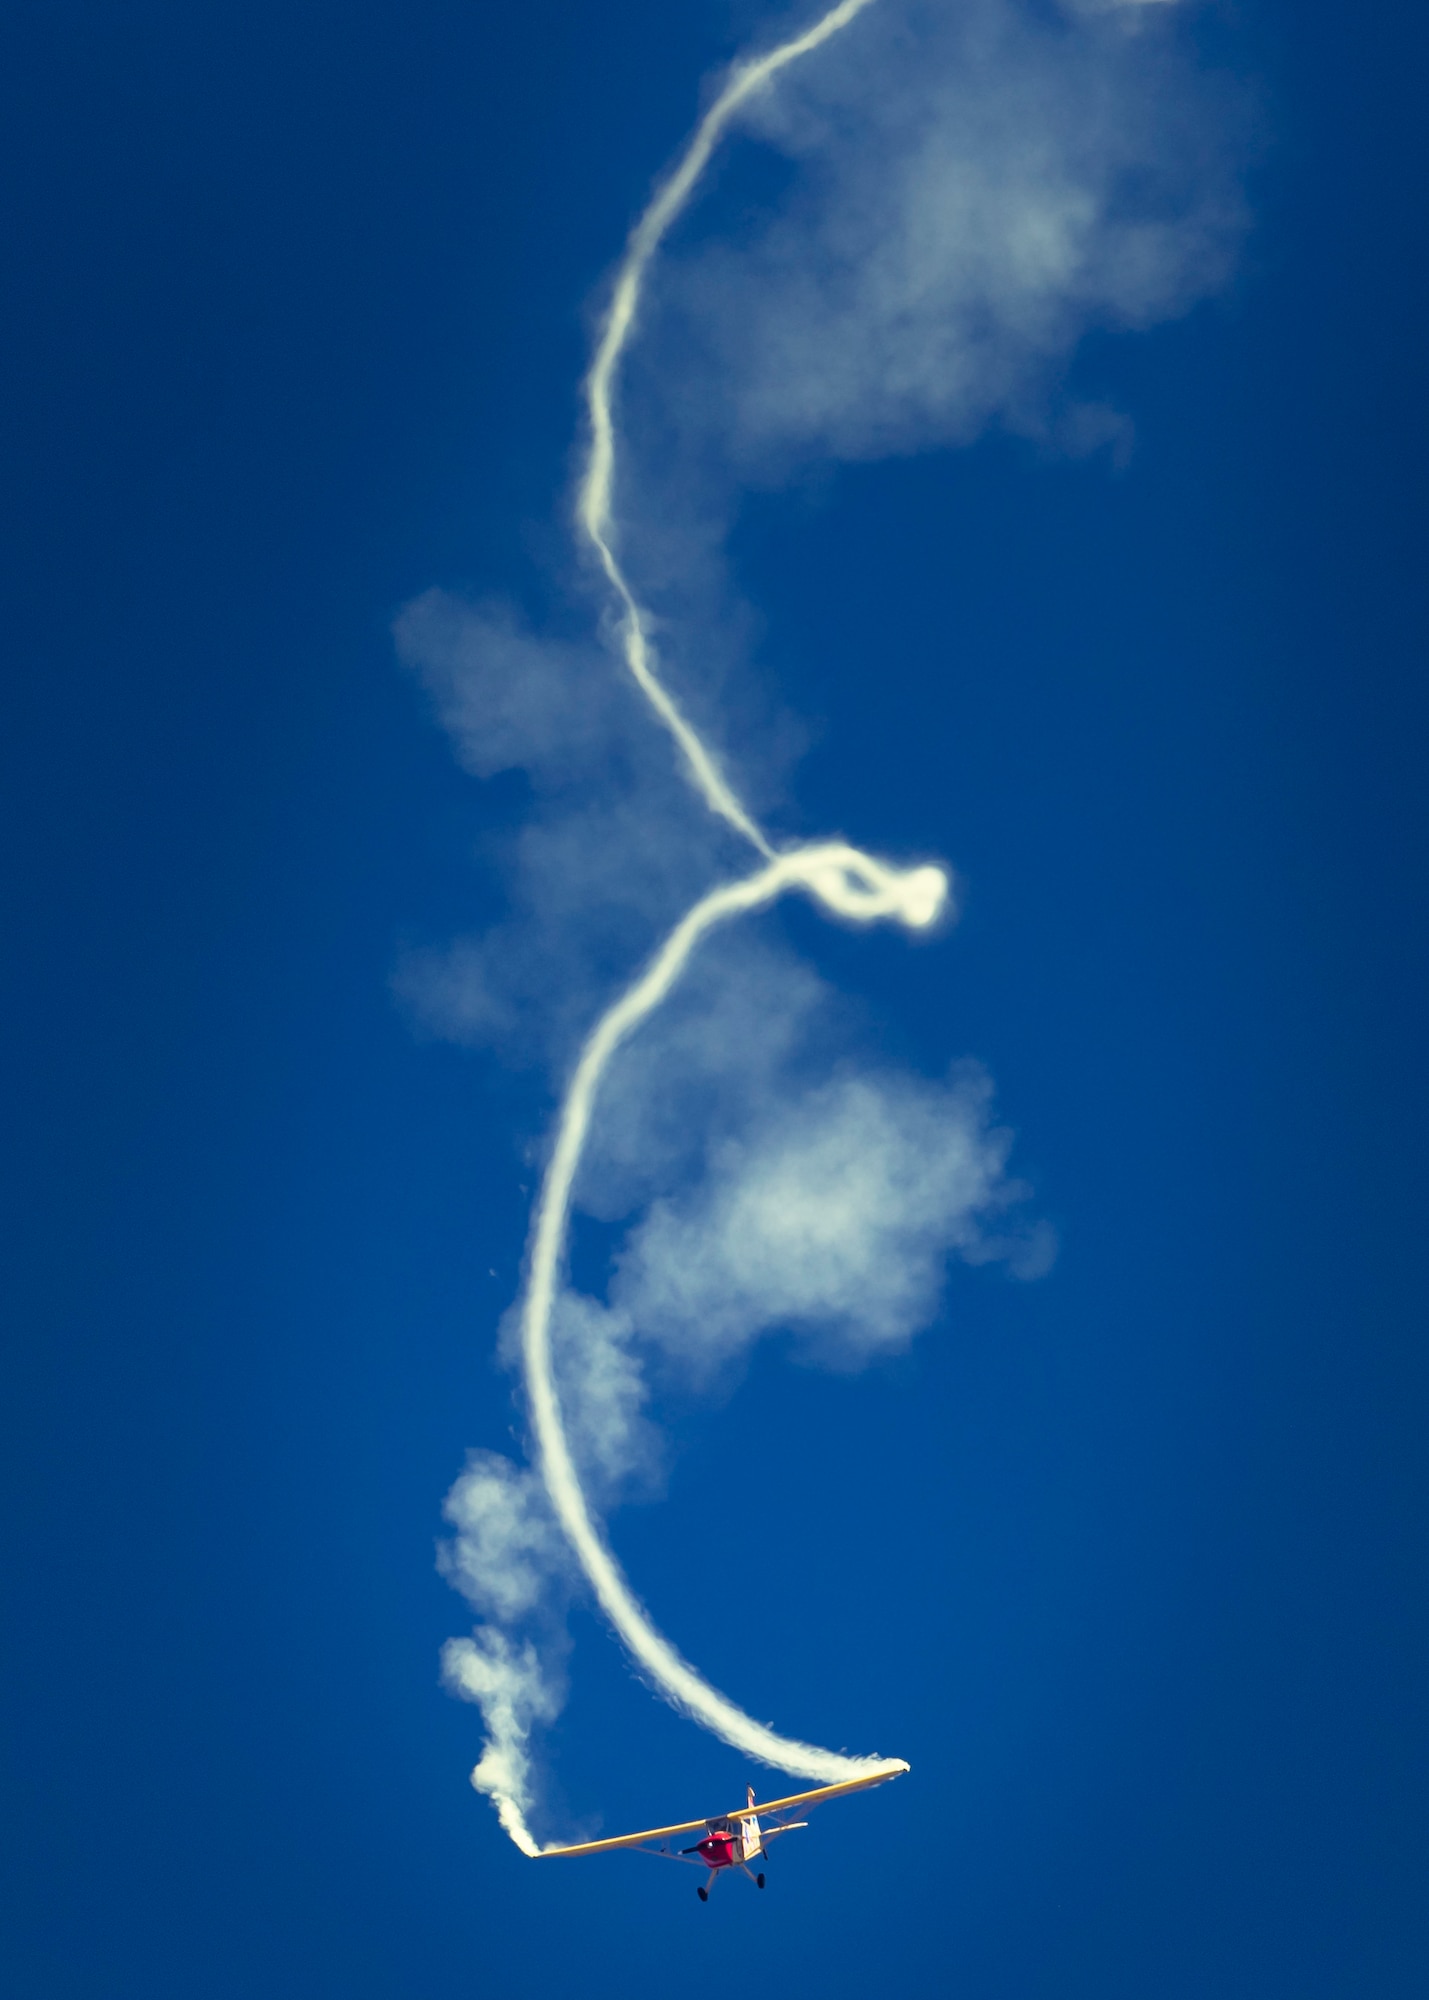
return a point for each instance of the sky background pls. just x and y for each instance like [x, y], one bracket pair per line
[1130, 1562]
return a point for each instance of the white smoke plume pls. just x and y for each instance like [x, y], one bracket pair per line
[513, 1688]
[974, 187]
[835, 1220]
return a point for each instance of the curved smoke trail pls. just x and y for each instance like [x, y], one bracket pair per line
[851, 885]
[846, 882]
[593, 502]
[976, 213]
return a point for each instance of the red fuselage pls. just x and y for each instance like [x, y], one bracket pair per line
[717, 1850]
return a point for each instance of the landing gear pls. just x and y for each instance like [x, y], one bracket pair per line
[759, 1881]
[703, 1893]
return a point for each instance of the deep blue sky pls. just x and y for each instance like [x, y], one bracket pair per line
[293, 321]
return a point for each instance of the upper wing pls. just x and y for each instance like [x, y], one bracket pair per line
[893, 1769]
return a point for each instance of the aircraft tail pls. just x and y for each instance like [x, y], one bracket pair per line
[751, 1840]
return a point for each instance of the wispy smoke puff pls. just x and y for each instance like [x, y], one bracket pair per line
[608, 852]
[835, 1220]
[506, 1548]
[599, 1369]
[509, 700]
[977, 186]
[515, 1691]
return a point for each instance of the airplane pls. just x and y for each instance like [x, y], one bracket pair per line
[731, 1840]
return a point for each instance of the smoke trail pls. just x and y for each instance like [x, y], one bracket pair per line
[1064, 254]
[846, 882]
[593, 504]
[851, 885]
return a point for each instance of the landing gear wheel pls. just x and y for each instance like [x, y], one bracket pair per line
[759, 1880]
[703, 1894]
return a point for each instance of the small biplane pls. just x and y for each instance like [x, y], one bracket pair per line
[732, 1840]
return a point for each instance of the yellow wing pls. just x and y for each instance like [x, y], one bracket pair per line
[627, 1839]
[894, 1768]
